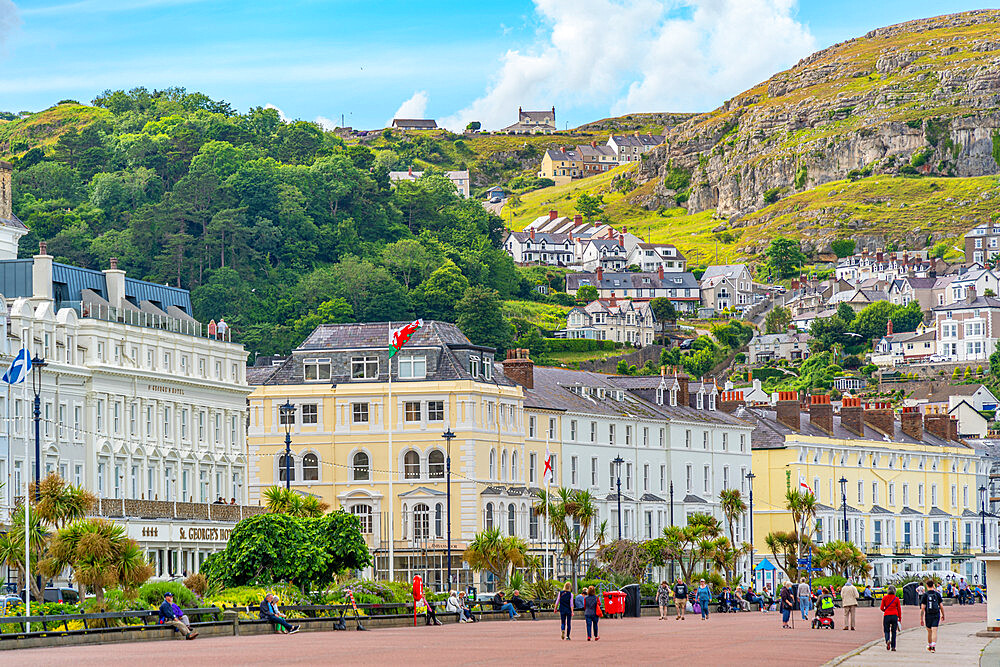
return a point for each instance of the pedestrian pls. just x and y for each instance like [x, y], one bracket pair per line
[591, 612]
[430, 617]
[963, 590]
[680, 598]
[169, 617]
[849, 600]
[805, 598]
[578, 601]
[787, 603]
[892, 617]
[931, 613]
[704, 597]
[663, 599]
[268, 611]
[564, 607]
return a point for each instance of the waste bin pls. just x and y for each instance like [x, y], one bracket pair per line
[614, 603]
[633, 600]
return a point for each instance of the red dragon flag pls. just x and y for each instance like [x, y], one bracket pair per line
[399, 337]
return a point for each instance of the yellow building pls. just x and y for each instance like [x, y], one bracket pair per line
[343, 423]
[910, 485]
[561, 165]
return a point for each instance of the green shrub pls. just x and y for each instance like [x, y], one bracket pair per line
[772, 195]
[920, 158]
[153, 593]
[713, 579]
[578, 345]
[835, 580]
[601, 585]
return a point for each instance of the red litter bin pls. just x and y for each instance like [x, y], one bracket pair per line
[614, 603]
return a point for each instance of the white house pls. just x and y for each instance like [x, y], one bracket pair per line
[631, 147]
[620, 320]
[541, 248]
[726, 286]
[653, 256]
[460, 179]
[968, 330]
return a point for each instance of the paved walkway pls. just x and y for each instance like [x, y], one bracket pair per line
[746, 639]
[957, 645]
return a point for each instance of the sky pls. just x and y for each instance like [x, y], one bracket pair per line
[368, 61]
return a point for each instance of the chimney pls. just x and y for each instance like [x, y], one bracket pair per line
[114, 278]
[970, 293]
[941, 424]
[553, 113]
[621, 239]
[911, 423]
[6, 176]
[532, 233]
[410, 170]
[888, 328]
[659, 271]
[683, 394]
[730, 400]
[41, 273]
[519, 368]
[571, 237]
[611, 232]
[787, 409]
[600, 276]
[852, 415]
[578, 219]
[553, 215]
[593, 144]
[821, 413]
[879, 416]
[612, 302]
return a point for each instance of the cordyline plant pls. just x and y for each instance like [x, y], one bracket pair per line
[492, 552]
[279, 500]
[571, 513]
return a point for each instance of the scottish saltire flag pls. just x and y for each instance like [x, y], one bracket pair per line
[19, 368]
[399, 337]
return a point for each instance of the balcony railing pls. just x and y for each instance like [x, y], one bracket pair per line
[121, 508]
[903, 547]
[147, 320]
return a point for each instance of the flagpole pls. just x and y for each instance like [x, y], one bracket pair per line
[546, 532]
[392, 468]
[27, 532]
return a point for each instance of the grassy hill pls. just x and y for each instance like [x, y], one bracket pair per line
[44, 128]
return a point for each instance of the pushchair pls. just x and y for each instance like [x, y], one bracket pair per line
[824, 613]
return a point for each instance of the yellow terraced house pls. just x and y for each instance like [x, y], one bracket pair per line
[343, 418]
[910, 485]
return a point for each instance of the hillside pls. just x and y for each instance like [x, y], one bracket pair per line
[647, 123]
[915, 98]
[43, 128]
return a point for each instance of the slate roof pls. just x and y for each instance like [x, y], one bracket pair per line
[560, 239]
[13, 221]
[979, 302]
[614, 496]
[568, 154]
[640, 140]
[727, 270]
[691, 498]
[937, 511]
[649, 497]
[909, 510]
[943, 393]
[678, 280]
[770, 433]
[422, 123]
[876, 509]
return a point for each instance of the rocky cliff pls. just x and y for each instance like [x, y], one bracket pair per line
[918, 98]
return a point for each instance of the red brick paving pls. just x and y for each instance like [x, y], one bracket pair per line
[725, 639]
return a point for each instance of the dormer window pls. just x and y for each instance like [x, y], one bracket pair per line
[701, 400]
[659, 394]
[412, 367]
[673, 396]
[488, 368]
[711, 401]
[474, 366]
[316, 369]
[364, 368]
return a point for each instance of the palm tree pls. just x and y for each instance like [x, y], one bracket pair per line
[12, 545]
[571, 512]
[690, 544]
[280, 500]
[802, 507]
[101, 555]
[60, 503]
[843, 558]
[493, 552]
[733, 509]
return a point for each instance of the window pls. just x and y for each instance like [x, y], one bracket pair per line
[593, 471]
[421, 522]
[360, 413]
[645, 477]
[364, 368]
[411, 411]
[314, 369]
[310, 415]
[572, 430]
[411, 465]
[310, 468]
[487, 368]
[493, 464]
[286, 418]
[511, 519]
[573, 470]
[435, 411]
[438, 520]
[611, 434]
[934, 494]
[410, 367]
[954, 496]
[532, 463]
[100, 415]
[920, 495]
[184, 421]
[364, 514]
[628, 436]
[708, 479]
[532, 524]
[167, 431]
[725, 477]
[531, 426]
[489, 516]
[725, 442]
[743, 442]
[552, 428]
[704, 440]
[663, 477]
[474, 366]
[689, 477]
[435, 464]
[861, 491]
[286, 468]
[149, 420]
[362, 472]
[593, 431]
[687, 438]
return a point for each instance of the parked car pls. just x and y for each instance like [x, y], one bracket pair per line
[495, 200]
[60, 595]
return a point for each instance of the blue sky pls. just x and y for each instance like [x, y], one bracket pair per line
[454, 61]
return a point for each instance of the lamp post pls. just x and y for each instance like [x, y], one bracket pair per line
[982, 515]
[448, 436]
[37, 364]
[287, 411]
[671, 524]
[618, 461]
[843, 504]
[750, 477]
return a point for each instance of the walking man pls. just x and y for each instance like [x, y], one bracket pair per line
[680, 597]
[805, 598]
[849, 596]
[931, 613]
[963, 590]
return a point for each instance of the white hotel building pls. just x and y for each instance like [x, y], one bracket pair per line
[138, 404]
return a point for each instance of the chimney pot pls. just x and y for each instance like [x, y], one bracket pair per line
[553, 215]
[114, 263]
[43, 248]
[659, 271]
[578, 219]
[600, 276]
[787, 409]
[519, 368]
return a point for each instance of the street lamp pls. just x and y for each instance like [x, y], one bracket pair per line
[843, 503]
[750, 477]
[448, 436]
[671, 524]
[982, 514]
[618, 461]
[37, 364]
[287, 411]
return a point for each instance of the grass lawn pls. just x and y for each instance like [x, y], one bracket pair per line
[542, 315]
[591, 355]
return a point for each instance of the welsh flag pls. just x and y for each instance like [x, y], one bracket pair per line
[399, 337]
[803, 485]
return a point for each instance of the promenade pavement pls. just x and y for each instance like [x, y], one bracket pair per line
[744, 639]
[957, 644]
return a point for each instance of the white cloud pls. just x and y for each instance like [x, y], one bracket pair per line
[281, 114]
[9, 20]
[642, 55]
[415, 107]
[326, 123]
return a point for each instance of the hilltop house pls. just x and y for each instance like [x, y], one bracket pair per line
[561, 165]
[982, 242]
[791, 346]
[968, 330]
[909, 347]
[413, 124]
[681, 288]
[533, 247]
[533, 122]
[726, 286]
[631, 147]
[460, 179]
[652, 256]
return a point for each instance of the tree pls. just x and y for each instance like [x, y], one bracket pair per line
[272, 548]
[409, 261]
[571, 513]
[101, 554]
[843, 558]
[785, 256]
[588, 293]
[280, 500]
[777, 320]
[662, 307]
[480, 318]
[784, 547]
[828, 332]
[12, 544]
[436, 297]
[60, 503]
[845, 312]
[589, 206]
[474, 125]
[493, 552]
[687, 545]
[626, 558]
[802, 506]
[843, 247]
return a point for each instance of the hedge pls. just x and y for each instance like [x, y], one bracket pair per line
[579, 345]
